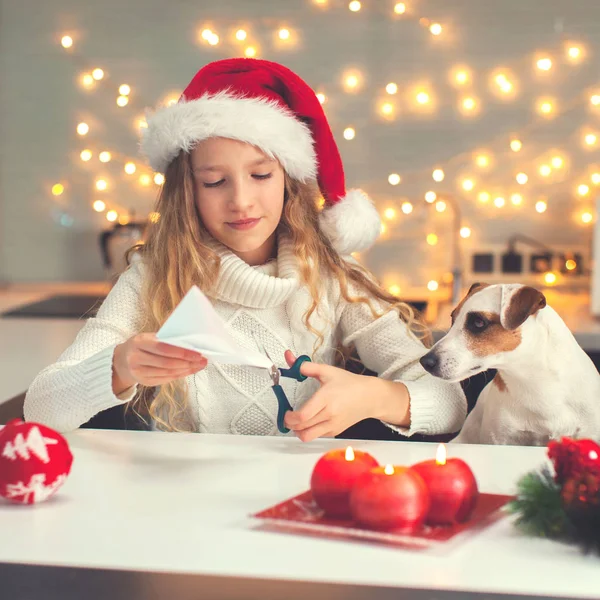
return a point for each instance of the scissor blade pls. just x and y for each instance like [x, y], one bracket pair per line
[273, 371]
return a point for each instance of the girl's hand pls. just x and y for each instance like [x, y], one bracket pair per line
[145, 360]
[343, 400]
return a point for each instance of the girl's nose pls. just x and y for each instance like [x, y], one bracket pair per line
[241, 197]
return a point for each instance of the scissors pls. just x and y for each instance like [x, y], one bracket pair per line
[275, 373]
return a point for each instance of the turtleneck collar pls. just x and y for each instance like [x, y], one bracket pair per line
[240, 283]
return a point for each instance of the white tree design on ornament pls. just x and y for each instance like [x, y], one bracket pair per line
[36, 490]
[35, 444]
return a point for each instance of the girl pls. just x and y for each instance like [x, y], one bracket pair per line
[247, 154]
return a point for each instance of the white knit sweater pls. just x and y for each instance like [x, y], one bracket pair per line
[266, 301]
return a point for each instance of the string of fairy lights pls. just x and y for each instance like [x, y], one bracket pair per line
[507, 173]
[102, 185]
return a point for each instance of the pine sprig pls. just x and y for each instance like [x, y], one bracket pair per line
[539, 506]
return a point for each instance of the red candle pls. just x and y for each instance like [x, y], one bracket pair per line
[452, 488]
[390, 498]
[333, 478]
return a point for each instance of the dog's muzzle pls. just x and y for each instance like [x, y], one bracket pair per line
[431, 363]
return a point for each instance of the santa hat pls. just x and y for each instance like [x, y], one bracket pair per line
[267, 105]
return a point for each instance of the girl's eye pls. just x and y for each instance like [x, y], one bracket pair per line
[213, 184]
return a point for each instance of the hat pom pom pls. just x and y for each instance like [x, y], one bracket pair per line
[352, 224]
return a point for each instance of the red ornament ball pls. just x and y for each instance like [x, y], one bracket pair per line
[574, 458]
[34, 462]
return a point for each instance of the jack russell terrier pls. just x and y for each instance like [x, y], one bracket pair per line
[546, 386]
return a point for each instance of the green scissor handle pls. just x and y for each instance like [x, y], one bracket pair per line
[294, 371]
[284, 406]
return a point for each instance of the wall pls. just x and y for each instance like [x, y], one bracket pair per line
[154, 47]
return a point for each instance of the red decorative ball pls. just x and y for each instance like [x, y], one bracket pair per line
[398, 501]
[574, 458]
[333, 478]
[452, 489]
[34, 462]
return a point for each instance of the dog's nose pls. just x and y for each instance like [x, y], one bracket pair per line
[429, 362]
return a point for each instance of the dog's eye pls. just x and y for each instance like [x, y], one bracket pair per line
[476, 323]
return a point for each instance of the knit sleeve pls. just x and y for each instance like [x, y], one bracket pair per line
[78, 386]
[387, 347]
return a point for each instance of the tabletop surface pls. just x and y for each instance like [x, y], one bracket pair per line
[180, 503]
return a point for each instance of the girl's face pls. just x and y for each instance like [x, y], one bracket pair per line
[239, 193]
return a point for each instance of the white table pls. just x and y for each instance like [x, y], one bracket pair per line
[179, 504]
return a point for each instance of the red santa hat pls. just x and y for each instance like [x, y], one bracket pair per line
[267, 105]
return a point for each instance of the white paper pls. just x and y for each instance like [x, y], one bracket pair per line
[196, 325]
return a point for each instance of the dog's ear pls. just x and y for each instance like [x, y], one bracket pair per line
[518, 304]
[474, 288]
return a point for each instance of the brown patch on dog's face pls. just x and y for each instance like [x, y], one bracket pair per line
[476, 287]
[485, 335]
[499, 382]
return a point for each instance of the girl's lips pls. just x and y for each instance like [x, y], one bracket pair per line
[243, 224]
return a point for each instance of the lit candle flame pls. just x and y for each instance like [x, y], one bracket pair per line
[349, 454]
[389, 470]
[440, 456]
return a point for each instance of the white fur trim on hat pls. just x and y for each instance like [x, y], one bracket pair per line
[259, 121]
[352, 224]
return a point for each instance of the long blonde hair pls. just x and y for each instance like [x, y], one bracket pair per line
[177, 255]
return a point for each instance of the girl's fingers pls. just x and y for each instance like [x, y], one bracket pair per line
[294, 422]
[312, 433]
[310, 409]
[290, 359]
[323, 373]
[153, 346]
[147, 359]
[147, 372]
